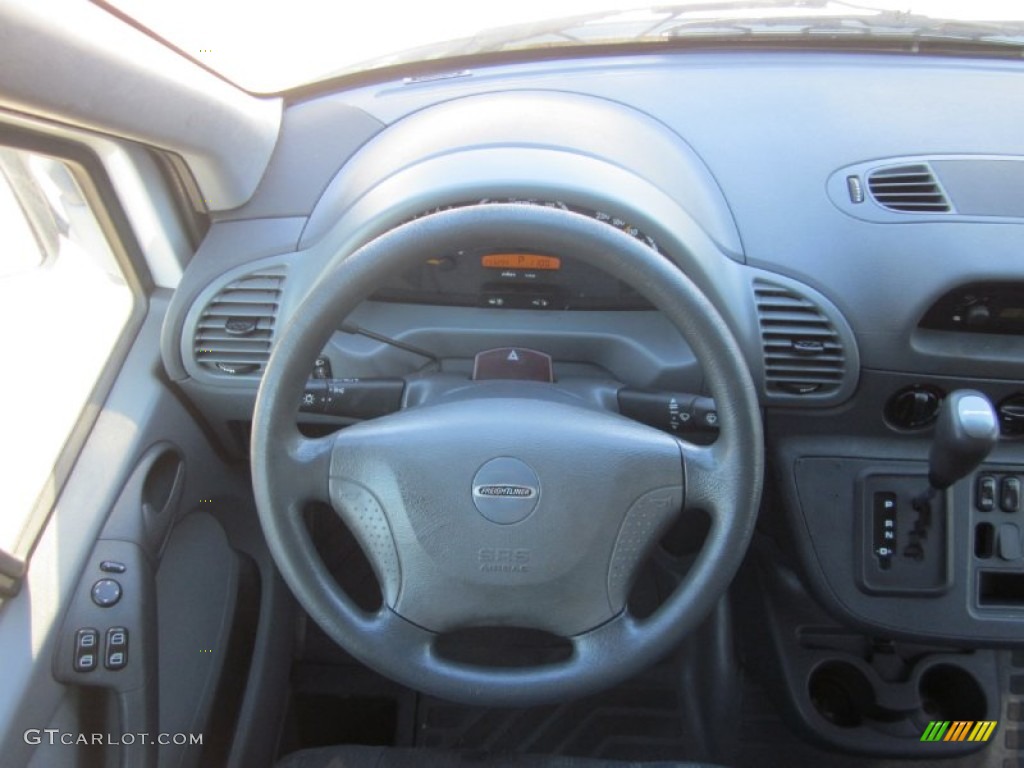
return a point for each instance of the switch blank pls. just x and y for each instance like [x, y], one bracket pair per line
[1009, 542]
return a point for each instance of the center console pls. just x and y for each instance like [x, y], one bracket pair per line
[912, 584]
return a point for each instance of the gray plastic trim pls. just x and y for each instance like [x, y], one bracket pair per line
[297, 176]
[769, 154]
[639, 348]
[226, 245]
[95, 71]
[196, 594]
[819, 483]
[542, 122]
[979, 188]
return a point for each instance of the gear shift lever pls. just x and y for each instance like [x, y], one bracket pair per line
[966, 432]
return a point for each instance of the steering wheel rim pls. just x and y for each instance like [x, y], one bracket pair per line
[289, 470]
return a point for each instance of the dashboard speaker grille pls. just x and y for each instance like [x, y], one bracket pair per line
[908, 189]
[236, 328]
[803, 352]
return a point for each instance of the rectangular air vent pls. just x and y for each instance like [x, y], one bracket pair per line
[908, 189]
[803, 353]
[236, 329]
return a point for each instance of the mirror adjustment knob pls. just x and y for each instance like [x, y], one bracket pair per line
[106, 592]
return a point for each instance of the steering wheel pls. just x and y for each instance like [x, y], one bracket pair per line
[510, 505]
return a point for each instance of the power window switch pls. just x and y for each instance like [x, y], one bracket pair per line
[116, 660]
[986, 498]
[1009, 494]
[117, 648]
[86, 649]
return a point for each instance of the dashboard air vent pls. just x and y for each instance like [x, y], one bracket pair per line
[803, 352]
[908, 189]
[236, 328]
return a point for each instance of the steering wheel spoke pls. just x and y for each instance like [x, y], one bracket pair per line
[705, 470]
[299, 469]
[310, 465]
[362, 512]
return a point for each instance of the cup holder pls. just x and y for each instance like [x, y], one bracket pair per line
[841, 693]
[848, 696]
[951, 693]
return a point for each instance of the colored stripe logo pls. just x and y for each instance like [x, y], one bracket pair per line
[959, 730]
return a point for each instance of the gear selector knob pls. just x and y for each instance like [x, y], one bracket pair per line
[967, 430]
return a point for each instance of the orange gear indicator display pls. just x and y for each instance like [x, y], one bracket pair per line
[520, 261]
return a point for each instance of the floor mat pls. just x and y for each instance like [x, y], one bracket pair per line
[665, 713]
[642, 719]
[639, 720]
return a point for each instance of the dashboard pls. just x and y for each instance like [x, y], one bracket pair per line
[856, 219]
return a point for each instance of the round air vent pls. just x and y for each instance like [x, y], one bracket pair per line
[236, 329]
[913, 407]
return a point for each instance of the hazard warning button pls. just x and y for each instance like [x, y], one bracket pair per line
[513, 363]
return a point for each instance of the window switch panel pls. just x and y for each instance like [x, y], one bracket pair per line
[86, 649]
[117, 648]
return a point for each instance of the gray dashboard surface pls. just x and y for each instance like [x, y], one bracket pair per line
[770, 129]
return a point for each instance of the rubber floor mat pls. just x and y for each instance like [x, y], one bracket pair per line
[638, 720]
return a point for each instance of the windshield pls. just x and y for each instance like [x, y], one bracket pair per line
[269, 47]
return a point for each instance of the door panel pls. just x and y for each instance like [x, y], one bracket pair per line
[106, 511]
